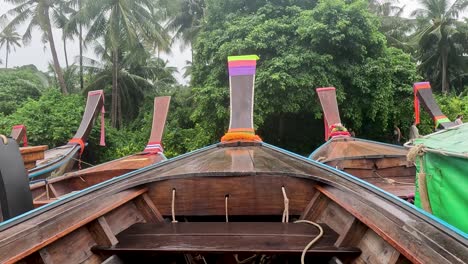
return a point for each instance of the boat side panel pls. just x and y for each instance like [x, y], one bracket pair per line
[255, 195]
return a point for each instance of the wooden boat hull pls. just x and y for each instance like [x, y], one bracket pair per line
[382, 165]
[246, 182]
[56, 162]
[44, 192]
[32, 154]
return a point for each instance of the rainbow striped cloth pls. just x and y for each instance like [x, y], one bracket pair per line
[242, 65]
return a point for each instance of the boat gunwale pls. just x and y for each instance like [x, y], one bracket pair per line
[381, 194]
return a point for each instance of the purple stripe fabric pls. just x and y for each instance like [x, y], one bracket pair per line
[243, 70]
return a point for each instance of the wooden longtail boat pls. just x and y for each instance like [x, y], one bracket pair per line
[380, 164]
[30, 154]
[60, 160]
[49, 190]
[232, 202]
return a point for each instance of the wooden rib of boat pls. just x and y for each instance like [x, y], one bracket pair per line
[60, 160]
[423, 94]
[380, 164]
[236, 201]
[49, 190]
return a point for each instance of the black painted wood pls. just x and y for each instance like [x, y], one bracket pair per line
[15, 196]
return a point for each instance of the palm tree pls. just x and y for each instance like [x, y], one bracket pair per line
[123, 25]
[139, 74]
[74, 26]
[435, 35]
[10, 39]
[187, 20]
[38, 14]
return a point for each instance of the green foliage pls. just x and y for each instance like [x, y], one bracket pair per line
[17, 85]
[450, 105]
[51, 120]
[334, 44]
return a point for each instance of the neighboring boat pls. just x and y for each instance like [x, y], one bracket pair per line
[380, 164]
[30, 155]
[442, 162]
[423, 94]
[234, 202]
[49, 190]
[60, 160]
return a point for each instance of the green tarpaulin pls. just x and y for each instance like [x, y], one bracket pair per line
[445, 163]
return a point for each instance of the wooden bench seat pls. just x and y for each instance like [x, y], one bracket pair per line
[219, 237]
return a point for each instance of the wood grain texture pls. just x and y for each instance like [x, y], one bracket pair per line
[101, 232]
[15, 248]
[253, 237]
[247, 195]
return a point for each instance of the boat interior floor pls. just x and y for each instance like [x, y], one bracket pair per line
[226, 242]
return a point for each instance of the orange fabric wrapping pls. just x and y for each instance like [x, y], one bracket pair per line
[232, 136]
[78, 141]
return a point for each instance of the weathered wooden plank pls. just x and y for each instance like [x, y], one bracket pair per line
[375, 250]
[315, 207]
[73, 248]
[353, 232]
[123, 217]
[15, 248]
[249, 195]
[101, 232]
[389, 222]
[226, 237]
[147, 208]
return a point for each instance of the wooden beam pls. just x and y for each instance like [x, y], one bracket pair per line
[47, 234]
[147, 208]
[354, 231]
[102, 233]
[45, 256]
[315, 207]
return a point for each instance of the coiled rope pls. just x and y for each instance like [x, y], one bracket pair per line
[286, 206]
[5, 139]
[416, 153]
[311, 243]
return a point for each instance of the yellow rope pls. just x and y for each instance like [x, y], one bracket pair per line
[417, 152]
[226, 207]
[286, 206]
[391, 181]
[173, 206]
[311, 243]
[5, 139]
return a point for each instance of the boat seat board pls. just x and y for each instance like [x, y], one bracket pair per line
[220, 237]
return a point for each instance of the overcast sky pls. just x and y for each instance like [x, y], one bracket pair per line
[38, 54]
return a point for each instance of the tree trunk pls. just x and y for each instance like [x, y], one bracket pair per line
[445, 84]
[6, 56]
[115, 91]
[81, 51]
[65, 50]
[58, 70]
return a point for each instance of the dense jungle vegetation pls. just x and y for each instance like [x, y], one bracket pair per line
[366, 49]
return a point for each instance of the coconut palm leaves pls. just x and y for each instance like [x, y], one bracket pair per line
[437, 35]
[37, 14]
[10, 39]
[122, 25]
[138, 74]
